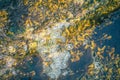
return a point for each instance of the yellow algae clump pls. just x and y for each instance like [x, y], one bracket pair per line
[91, 66]
[3, 18]
[28, 23]
[61, 1]
[46, 63]
[10, 61]
[33, 45]
[106, 36]
[109, 37]
[93, 45]
[33, 73]
[111, 52]
[76, 55]
[80, 38]
[101, 51]
[91, 69]
[105, 68]
[25, 2]
[75, 58]
[87, 46]
[11, 49]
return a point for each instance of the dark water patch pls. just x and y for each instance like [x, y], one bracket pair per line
[16, 10]
[112, 30]
[27, 66]
[4, 3]
[80, 67]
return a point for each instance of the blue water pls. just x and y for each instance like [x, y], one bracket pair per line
[114, 31]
